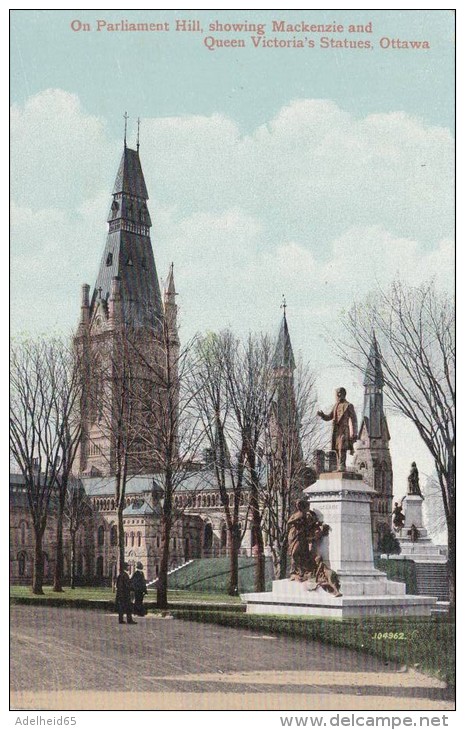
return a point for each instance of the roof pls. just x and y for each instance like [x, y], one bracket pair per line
[374, 371]
[139, 508]
[128, 252]
[130, 178]
[194, 481]
[283, 356]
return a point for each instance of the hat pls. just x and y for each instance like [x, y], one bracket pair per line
[139, 565]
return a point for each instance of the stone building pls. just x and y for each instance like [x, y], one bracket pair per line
[372, 455]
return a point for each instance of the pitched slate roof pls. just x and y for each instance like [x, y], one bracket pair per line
[283, 356]
[374, 371]
[128, 251]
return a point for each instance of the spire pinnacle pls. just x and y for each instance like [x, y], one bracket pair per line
[374, 371]
[125, 117]
[138, 134]
[283, 355]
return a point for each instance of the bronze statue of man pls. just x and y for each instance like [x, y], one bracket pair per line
[344, 427]
[414, 481]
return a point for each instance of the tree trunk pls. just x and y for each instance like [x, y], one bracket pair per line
[58, 576]
[72, 566]
[233, 588]
[451, 563]
[257, 532]
[162, 583]
[38, 570]
[283, 560]
[121, 535]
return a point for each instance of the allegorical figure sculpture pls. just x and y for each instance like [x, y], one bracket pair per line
[414, 481]
[326, 578]
[304, 530]
[344, 427]
[398, 517]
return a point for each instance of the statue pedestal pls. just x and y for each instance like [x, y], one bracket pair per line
[422, 550]
[342, 501]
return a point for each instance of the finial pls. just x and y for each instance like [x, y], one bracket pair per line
[100, 292]
[125, 117]
[284, 305]
[138, 131]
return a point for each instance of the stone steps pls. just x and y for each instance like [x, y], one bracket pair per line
[432, 580]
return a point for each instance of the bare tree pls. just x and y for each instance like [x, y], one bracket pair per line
[77, 510]
[111, 414]
[167, 401]
[225, 440]
[249, 378]
[415, 328]
[291, 437]
[36, 433]
[66, 391]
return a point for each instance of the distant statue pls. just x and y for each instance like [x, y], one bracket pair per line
[305, 529]
[344, 427]
[398, 517]
[414, 481]
[413, 532]
[326, 578]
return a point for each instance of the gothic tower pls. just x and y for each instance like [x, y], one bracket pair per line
[372, 455]
[121, 335]
[285, 425]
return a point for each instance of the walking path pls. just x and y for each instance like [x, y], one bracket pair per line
[64, 658]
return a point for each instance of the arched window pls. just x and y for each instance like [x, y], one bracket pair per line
[208, 501]
[132, 539]
[207, 537]
[204, 500]
[22, 557]
[23, 532]
[126, 539]
[113, 535]
[99, 567]
[199, 501]
[101, 536]
[158, 541]
[139, 539]
[112, 504]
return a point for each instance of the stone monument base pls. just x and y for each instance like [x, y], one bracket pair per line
[342, 501]
[363, 595]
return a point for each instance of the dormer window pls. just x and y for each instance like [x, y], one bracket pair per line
[115, 206]
[109, 259]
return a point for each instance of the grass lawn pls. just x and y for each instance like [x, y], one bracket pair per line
[106, 594]
[427, 644]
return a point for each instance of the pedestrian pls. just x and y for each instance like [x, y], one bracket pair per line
[123, 596]
[139, 586]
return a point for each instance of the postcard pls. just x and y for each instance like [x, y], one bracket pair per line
[232, 470]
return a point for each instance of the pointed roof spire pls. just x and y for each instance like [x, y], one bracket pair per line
[125, 117]
[130, 178]
[169, 286]
[138, 135]
[283, 356]
[374, 371]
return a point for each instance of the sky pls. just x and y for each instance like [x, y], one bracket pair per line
[315, 173]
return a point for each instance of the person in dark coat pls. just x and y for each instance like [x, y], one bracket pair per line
[123, 596]
[139, 586]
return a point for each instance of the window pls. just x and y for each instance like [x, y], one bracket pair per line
[139, 539]
[132, 539]
[100, 536]
[23, 533]
[114, 535]
[99, 567]
[109, 259]
[22, 565]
